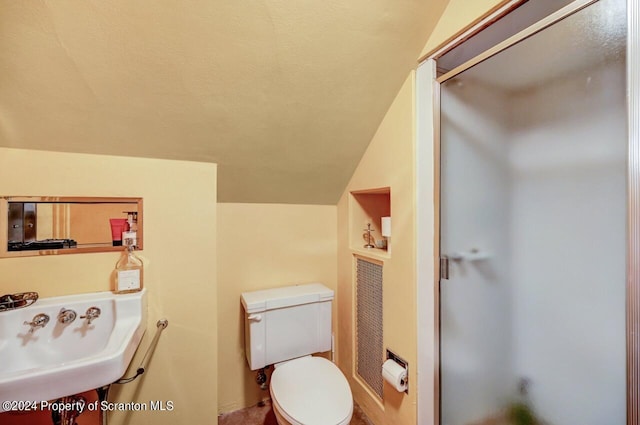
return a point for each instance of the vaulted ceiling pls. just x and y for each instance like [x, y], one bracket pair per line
[284, 95]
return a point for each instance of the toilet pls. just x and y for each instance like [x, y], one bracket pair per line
[284, 327]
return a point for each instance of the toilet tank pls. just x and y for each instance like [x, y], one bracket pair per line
[287, 322]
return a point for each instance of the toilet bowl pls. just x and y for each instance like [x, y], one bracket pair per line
[310, 391]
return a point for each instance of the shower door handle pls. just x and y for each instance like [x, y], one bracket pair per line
[444, 267]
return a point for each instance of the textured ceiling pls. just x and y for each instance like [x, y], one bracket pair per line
[284, 95]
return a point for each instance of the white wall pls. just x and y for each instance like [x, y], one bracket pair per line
[568, 140]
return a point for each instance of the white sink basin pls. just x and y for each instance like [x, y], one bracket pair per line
[65, 359]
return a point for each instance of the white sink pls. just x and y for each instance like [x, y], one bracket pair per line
[65, 359]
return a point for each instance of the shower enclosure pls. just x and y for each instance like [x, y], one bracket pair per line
[533, 228]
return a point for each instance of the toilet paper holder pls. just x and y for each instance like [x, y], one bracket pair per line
[402, 362]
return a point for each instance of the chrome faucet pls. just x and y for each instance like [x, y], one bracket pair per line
[39, 321]
[92, 313]
[66, 316]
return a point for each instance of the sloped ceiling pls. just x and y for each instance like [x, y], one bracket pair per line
[284, 95]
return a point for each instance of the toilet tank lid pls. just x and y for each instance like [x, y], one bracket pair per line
[286, 296]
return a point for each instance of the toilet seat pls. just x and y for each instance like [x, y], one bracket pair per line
[311, 391]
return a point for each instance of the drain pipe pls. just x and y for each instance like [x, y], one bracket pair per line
[103, 395]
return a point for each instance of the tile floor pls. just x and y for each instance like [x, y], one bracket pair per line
[263, 415]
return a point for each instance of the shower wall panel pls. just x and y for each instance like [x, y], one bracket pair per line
[568, 153]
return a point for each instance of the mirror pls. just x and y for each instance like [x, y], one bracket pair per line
[32, 226]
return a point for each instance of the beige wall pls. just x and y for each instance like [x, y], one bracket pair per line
[263, 246]
[180, 267]
[388, 162]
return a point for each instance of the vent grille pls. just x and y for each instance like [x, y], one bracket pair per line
[369, 355]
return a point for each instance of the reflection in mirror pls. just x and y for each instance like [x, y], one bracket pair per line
[40, 225]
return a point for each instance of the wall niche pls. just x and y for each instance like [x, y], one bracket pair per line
[368, 207]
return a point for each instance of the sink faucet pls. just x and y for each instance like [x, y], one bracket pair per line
[92, 313]
[66, 316]
[39, 321]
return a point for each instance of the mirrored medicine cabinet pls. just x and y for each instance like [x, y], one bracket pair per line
[47, 225]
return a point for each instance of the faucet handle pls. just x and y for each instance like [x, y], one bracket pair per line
[92, 313]
[66, 316]
[39, 321]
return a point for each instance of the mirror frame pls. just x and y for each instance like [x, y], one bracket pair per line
[4, 221]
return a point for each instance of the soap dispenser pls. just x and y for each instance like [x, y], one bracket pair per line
[129, 270]
[131, 229]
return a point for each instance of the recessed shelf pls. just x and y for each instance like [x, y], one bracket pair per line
[368, 207]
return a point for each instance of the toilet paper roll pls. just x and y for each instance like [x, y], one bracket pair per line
[395, 374]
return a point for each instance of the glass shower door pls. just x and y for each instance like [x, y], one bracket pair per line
[533, 210]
